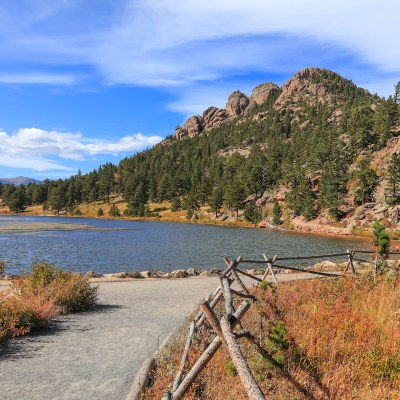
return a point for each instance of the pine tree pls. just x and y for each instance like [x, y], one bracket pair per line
[277, 214]
[333, 186]
[114, 211]
[397, 93]
[175, 204]
[392, 192]
[380, 239]
[366, 181]
[216, 200]
[252, 214]
[17, 202]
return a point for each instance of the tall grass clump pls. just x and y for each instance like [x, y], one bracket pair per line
[347, 332]
[35, 299]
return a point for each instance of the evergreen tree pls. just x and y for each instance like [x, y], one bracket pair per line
[234, 196]
[56, 199]
[333, 186]
[277, 214]
[114, 211]
[216, 200]
[176, 204]
[392, 192]
[380, 239]
[366, 180]
[106, 181]
[301, 199]
[100, 212]
[397, 93]
[252, 214]
[384, 120]
[17, 202]
[191, 205]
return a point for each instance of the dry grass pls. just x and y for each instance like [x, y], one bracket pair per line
[33, 300]
[321, 339]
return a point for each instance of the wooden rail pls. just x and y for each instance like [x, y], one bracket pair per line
[224, 327]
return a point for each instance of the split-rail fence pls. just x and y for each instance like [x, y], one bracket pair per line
[224, 327]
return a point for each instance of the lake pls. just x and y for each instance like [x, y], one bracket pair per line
[108, 246]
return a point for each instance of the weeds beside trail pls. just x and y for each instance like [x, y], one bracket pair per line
[35, 299]
[316, 339]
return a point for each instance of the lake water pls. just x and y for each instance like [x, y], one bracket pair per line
[139, 245]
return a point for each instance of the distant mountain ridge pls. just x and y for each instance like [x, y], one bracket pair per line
[19, 180]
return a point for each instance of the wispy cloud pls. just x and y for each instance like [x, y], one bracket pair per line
[173, 45]
[32, 163]
[32, 147]
[39, 78]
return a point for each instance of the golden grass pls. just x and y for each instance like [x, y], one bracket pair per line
[321, 339]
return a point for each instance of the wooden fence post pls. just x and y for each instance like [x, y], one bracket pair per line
[350, 255]
[184, 356]
[207, 355]
[270, 264]
[250, 384]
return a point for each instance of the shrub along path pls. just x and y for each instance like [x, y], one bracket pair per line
[95, 355]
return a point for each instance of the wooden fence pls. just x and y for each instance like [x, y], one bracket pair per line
[224, 327]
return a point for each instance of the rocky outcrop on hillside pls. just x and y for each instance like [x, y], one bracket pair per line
[180, 133]
[213, 117]
[310, 85]
[239, 105]
[193, 125]
[263, 92]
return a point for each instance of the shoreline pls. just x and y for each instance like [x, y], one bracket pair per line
[304, 229]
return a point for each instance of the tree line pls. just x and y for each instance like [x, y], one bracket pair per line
[318, 157]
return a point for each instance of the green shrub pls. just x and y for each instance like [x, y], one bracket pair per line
[114, 211]
[380, 239]
[230, 368]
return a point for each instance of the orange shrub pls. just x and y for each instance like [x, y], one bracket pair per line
[37, 298]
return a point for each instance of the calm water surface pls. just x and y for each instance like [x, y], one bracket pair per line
[138, 246]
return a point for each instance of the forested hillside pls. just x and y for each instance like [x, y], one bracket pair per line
[317, 146]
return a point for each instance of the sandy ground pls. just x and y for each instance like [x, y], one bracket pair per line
[96, 355]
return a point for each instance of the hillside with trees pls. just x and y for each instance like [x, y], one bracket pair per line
[319, 148]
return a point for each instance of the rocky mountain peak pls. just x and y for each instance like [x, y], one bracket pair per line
[263, 92]
[239, 104]
[193, 125]
[213, 117]
[311, 85]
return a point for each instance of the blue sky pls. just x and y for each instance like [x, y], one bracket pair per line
[83, 82]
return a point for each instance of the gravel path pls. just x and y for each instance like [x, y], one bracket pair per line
[96, 355]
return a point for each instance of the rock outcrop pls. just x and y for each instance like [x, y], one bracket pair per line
[213, 117]
[263, 92]
[239, 104]
[193, 125]
[310, 85]
[180, 133]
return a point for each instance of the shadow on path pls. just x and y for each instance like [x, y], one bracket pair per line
[30, 345]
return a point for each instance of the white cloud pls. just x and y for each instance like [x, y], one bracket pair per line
[30, 147]
[38, 78]
[32, 163]
[171, 42]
